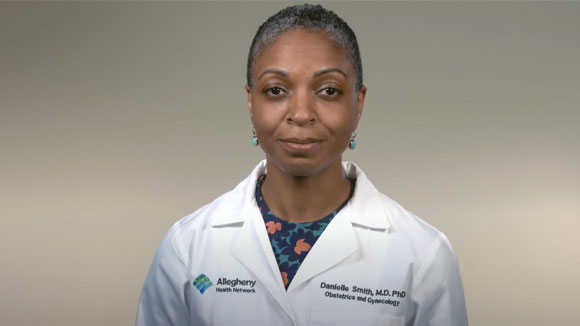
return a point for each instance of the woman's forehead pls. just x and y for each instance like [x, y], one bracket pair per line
[300, 49]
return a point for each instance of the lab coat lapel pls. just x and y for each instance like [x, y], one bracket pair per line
[335, 244]
[252, 247]
[339, 241]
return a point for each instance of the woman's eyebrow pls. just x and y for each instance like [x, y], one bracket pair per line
[329, 70]
[273, 71]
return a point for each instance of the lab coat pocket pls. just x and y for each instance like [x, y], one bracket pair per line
[347, 315]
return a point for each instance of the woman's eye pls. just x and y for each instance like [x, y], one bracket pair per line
[274, 91]
[330, 91]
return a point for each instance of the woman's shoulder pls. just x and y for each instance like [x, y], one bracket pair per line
[411, 230]
[403, 220]
[422, 238]
[223, 208]
[226, 209]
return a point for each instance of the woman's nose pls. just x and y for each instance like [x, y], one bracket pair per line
[301, 110]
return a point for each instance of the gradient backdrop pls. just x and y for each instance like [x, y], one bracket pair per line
[117, 119]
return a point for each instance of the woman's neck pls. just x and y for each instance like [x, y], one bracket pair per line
[305, 199]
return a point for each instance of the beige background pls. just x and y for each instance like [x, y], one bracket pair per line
[117, 119]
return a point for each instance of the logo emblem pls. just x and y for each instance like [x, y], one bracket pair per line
[202, 283]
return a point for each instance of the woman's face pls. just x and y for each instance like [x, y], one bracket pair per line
[303, 103]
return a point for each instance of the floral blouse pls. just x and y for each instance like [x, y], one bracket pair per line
[292, 241]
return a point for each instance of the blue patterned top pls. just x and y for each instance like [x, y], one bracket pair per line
[292, 241]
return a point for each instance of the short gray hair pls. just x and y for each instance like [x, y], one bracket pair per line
[314, 17]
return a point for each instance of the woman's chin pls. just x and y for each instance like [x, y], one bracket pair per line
[300, 167]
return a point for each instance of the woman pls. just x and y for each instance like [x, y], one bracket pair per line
[306, 238]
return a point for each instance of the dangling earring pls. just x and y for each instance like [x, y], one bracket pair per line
[254, 138]
[352, 143]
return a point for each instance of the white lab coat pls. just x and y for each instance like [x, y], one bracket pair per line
[375, 264]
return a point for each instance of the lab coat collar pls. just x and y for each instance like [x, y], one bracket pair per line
[339, 241]
[253, 249]
[247, 190]
[366, 207]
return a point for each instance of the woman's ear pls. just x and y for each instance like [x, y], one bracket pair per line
[360, 103]
[249, 98]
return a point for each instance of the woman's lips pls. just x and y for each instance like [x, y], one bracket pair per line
[300, 146]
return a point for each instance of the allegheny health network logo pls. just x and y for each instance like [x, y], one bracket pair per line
[202, 283]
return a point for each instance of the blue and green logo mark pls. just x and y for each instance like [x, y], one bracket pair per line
[202, 283]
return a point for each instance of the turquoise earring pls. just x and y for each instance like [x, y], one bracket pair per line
[254, 138]
[352, 143]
